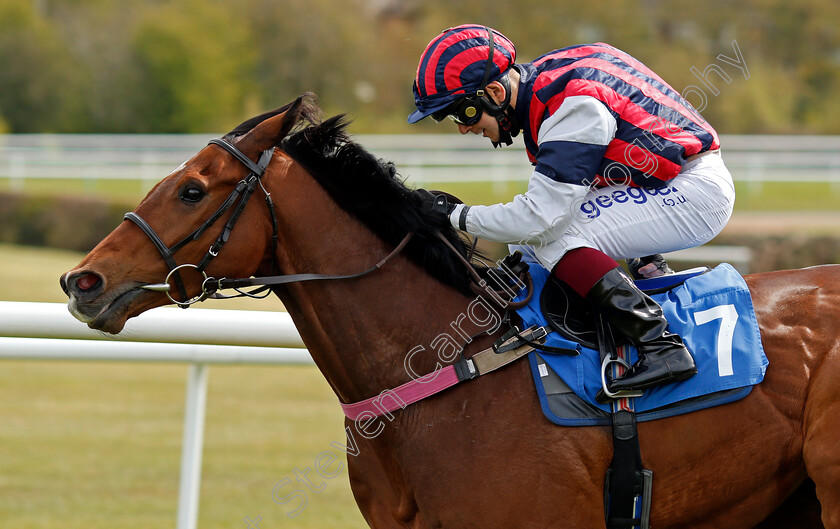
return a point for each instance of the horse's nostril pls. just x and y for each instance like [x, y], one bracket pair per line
[88, 282]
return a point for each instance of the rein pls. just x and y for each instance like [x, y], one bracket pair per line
[481, 287]
[211, 285]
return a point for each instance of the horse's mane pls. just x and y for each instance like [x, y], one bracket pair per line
[372, 191]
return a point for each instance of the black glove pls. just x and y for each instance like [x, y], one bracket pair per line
[634, 264]
[435, 208]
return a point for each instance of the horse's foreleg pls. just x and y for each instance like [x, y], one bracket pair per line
[801, 510]
[822, 437]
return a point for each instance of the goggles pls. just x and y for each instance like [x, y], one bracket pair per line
[467, 111]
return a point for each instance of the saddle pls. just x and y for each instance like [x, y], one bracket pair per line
[571, 316]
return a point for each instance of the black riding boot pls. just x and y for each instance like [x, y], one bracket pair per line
[631, 313]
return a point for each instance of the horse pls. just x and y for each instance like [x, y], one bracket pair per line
[479, 455]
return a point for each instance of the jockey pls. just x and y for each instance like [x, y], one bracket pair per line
[624, 167]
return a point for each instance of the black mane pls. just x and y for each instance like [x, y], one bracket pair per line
[371, 190]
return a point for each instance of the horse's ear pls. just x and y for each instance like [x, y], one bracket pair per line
[270, 132]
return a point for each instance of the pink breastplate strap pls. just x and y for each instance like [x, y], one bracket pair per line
[401, 396]
[418, 389]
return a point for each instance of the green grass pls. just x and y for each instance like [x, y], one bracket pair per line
[787, 196]
[31, 274]
[96, 445]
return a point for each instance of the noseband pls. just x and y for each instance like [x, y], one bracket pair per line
[237, 200]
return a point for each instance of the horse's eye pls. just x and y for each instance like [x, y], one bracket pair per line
[191, 193]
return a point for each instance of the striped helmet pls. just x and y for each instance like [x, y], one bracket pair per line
[454, 64]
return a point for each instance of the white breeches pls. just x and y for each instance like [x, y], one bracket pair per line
[625, 222]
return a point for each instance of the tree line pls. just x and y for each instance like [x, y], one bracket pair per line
[181, 66]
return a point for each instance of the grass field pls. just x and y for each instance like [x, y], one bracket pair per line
[97, 445]
[90, 446]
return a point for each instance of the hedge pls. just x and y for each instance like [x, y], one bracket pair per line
[66, 223]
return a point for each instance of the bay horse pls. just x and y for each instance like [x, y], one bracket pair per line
[479, 455]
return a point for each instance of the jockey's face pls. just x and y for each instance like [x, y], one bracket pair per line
[487, 126]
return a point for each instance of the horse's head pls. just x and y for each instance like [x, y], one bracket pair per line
[182, 221]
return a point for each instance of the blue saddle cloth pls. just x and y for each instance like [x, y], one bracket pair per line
[712, 312]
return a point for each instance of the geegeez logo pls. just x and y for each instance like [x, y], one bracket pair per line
[670, 196]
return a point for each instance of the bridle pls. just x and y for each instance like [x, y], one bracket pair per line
[237, 201]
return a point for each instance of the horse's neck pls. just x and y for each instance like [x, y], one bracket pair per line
[361, 332]
[362, 336]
